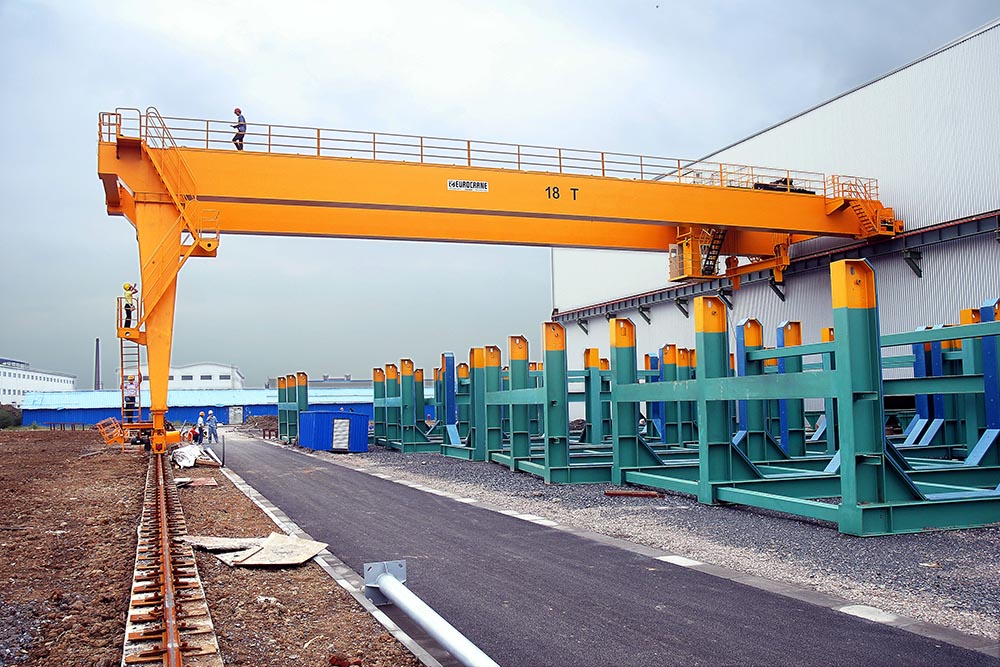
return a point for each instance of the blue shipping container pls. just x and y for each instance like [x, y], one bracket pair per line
[335, 431]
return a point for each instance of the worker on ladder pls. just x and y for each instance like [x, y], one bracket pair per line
[130, 292]
[130, 391]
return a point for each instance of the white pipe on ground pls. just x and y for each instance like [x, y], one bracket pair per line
[451, 639]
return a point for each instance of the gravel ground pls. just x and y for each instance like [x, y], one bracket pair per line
[951, 578]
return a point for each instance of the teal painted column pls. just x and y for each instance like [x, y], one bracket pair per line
[282, 412]
[556, 409]
[752, 436]
[378, 406]
[408, 403]
[462, 397]
[792, 410]
[520, 421]
[668, 373]
[594, 430]
[419, 399]
[477, 404]
[628, 452]
[291, 391]
[826, 335]
[536, 412]
[494, 413]
[606, 398]
[393, 413]
[715, 453]
[866, 477]
[686, 409]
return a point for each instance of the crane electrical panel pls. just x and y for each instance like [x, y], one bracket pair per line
[182, 185]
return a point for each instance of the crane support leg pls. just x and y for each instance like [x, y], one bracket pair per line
[159, 246]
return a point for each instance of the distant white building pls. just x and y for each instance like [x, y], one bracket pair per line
[18, 378]
[205, 375]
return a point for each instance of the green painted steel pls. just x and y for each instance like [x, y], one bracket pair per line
[282, 410]
[393, 407]
[378, 406]
[848, 473]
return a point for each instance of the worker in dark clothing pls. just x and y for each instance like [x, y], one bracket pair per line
[241, 129]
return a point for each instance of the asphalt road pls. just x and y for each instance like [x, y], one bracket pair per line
[533, 596]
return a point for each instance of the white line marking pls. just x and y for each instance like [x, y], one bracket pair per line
[870, 613]
[680, 560]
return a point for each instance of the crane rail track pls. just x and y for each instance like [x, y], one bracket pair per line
[169, 621]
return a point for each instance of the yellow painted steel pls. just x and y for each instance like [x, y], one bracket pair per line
[753, 333]
[517, 348]
[301, 379]
[622, 332]
[378, 375]
[555, 336]
[684, 357]
[462, 370]
[477, 357]
[605, 364]
[492, 355]
[709, 315]
[853, 284]
[391, 372]
[793, 334]
[670, 354]
[182, 198]
[592, 358]
[406, 367]
[418, 376]
[281, 382]
[826, 334]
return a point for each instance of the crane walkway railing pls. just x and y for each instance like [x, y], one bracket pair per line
[330, 142]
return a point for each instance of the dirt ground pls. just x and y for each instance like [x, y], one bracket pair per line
[69, 508]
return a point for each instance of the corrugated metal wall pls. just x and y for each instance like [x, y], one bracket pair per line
[930, 133]
[956, 275]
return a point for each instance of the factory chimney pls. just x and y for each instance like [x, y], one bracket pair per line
[97, 365]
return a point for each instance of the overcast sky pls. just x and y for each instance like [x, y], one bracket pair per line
[660, 78]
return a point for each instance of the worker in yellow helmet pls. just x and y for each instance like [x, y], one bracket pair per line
[130, 391]
[130, 292]
[200, 436]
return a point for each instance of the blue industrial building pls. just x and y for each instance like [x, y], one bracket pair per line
[183, 405]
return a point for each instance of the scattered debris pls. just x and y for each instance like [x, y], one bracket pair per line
[275, 549]
[13, 528]
[633, 493]
[193, 455]
[195, 481]
[930, 565]
[210, 543]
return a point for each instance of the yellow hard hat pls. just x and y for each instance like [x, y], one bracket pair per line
[131, 377]
[202, 412]
[127, 286]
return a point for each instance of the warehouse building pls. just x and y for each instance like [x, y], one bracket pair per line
[231, 406]
[929, 133]
[18, 378]
[203, 375]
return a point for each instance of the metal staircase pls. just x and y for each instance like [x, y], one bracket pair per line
[710, 257]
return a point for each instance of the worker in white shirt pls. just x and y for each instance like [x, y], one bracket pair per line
[130, 390]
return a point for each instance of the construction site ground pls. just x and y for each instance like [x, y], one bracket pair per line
[69, 508]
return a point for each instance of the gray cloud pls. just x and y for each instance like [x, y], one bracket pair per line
[676, 80]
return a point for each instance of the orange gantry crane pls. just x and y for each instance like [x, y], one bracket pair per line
[181, 184]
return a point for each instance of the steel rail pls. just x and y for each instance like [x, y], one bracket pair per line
[169, 623]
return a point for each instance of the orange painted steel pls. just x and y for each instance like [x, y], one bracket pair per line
[182, 186]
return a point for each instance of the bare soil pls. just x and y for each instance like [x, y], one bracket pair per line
[69, 508]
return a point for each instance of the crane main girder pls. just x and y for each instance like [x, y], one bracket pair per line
[262, 193]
